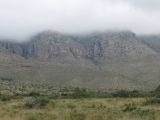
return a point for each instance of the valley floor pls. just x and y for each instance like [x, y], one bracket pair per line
[26, 108]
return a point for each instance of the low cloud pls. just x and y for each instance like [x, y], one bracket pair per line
[21, 18]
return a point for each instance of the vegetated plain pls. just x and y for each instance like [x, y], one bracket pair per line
[79, 109]
[42, 102]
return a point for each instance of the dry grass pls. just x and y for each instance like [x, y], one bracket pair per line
[80, 109]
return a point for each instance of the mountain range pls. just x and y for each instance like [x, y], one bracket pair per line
[102, 60]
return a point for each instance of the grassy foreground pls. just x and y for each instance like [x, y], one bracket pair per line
[30, 108]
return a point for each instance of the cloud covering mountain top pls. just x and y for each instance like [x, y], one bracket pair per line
[22, 18]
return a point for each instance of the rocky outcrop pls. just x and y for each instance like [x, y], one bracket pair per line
[52, 45]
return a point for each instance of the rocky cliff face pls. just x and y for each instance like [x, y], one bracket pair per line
[99, 47]
[52, 45]
[114, 46]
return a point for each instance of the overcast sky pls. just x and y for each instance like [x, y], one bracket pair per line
[22, 18]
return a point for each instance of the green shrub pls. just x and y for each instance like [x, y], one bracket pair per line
[151, 101]
[5, 98]
[42, 102]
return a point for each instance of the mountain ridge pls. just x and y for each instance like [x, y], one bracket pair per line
[108, 60]
[52, 44]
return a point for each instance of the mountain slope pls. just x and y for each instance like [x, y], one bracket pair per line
[109, 60]
[118, 46]
[152, 41]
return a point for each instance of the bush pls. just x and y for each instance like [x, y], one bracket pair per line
[125, 94]
[129, 107]
[30, 102]
[33, 102]
[152, 101]
[80, 93]
[42, 102]
[5, 98]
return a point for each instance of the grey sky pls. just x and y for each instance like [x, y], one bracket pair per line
[22, 18]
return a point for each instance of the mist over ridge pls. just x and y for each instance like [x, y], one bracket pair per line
[21, 19]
